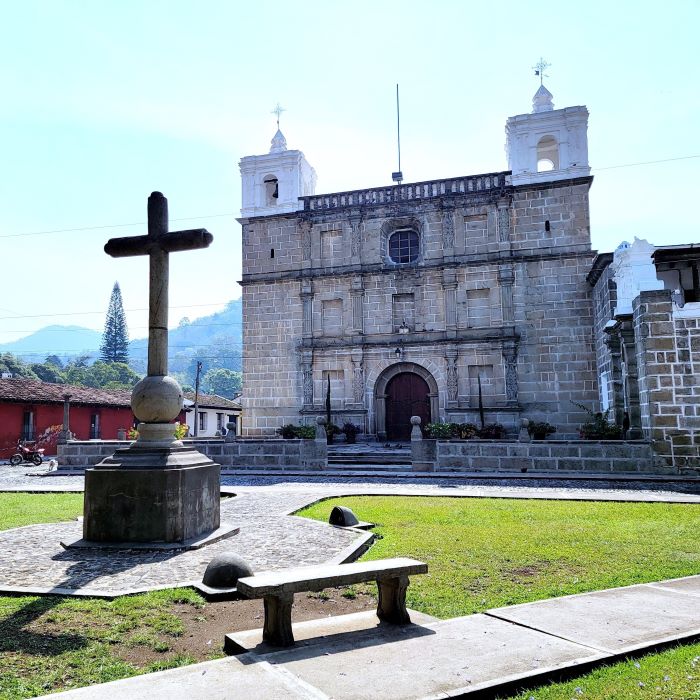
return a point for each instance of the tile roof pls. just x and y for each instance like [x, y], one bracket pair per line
[213, 401]
[33, 391]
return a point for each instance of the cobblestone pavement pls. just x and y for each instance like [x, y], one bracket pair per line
[32, 560]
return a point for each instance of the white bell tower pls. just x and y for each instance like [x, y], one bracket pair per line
[548, 144]
[272, 183]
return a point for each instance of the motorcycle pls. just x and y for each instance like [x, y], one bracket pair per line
[27, 454]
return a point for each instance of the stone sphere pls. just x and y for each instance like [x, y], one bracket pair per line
[415, 420]
[156, 400]
[224, 570]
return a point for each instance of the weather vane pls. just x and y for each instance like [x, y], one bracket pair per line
[278, 110]
[540, 67]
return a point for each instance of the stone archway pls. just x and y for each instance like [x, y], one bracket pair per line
[414, 393]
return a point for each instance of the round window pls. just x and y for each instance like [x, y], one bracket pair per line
[404, 246]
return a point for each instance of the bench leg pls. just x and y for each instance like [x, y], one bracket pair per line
[277, 630]
[392, 600]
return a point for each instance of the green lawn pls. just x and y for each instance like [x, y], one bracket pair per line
[481, 553]
[484, 553]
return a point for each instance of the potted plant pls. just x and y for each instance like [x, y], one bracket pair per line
[492, 431]
[287, 431]
[350, 430]
[331, 431]
[538, 430]
[439, 431]
[598, 427]
[465, 431]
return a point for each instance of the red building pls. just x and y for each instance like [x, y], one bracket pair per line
[29, 409]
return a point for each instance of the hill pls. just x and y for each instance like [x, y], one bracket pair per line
[215, 340]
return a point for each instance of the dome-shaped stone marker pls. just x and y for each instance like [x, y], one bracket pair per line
[224, 570]
[343, 517]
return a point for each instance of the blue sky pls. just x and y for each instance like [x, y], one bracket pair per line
[104, 101]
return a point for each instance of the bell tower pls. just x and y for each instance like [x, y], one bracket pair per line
[273, 182]
[547, 144]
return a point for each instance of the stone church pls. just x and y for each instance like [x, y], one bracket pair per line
[415, 299]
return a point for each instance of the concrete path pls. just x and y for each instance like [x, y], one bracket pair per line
[497, 651]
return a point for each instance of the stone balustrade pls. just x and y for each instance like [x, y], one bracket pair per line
[405, 193]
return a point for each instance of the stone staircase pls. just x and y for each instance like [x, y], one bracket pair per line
[370, 457]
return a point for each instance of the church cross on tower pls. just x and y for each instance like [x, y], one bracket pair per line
[278, 111]
[540, 67]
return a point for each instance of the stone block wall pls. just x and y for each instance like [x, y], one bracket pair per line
[234, 454]
[668, 364]
[539, 455]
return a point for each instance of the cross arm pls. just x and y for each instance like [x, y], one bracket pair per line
[168, 243]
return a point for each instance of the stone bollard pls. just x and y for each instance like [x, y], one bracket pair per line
[523, 435]
[121, 434]
[422, 451]
[321, 430]
[230, 432]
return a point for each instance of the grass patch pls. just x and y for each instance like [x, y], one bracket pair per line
[484, 553]
[93, 632]
[17, 509]
[673, 674]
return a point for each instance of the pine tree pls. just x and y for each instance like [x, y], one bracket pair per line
[115, 338]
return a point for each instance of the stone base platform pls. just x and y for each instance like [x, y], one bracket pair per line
[175, 500]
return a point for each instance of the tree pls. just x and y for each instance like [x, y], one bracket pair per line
[224, 382]
[54, 360]
[16, 367]
[115, 338]
[48, 372]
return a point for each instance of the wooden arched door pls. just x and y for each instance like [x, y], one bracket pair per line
[407, 395]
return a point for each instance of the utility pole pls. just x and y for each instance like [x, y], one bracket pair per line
[196, 399]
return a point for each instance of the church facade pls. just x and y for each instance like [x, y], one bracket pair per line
[425, 299]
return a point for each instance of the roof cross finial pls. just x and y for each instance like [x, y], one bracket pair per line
[278, 111]
[540, 67]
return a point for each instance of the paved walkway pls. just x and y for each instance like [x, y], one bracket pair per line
[497, 651]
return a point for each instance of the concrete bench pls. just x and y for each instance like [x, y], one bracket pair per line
[277, 589]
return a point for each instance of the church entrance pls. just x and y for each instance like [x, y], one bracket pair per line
[407, 394]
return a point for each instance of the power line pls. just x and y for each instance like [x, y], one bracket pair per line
[106, 226]
[219, 216]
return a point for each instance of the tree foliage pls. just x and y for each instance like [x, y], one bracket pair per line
[115, 338]
[224, 382]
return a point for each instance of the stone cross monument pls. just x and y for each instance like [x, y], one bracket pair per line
[156, 491]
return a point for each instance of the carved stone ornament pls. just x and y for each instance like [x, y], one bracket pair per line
[356, 237]
[452, 379]
[503, 224]
[358, 381]
[448, 227]
[306, 239]
[307, 376]
[511, 360]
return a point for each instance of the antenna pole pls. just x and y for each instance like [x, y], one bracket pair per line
[398, 175]
[398, 124]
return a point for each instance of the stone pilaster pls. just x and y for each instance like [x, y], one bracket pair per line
[307, 296]
[355, 239]
[357, 297]
[506, 278]
[617, 400]
[452, 376]
[307, 378]
[630, 378]
[448, 228]
[510, 358]
[503, 221]
[449, 285]
[305, 228]
[358, 378]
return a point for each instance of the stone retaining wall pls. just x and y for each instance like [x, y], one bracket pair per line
[233, 454]
[539, 455]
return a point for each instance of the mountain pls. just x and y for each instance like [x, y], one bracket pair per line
[55, 340]
[215, 340]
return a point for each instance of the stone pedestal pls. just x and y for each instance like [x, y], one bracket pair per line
[150, 492]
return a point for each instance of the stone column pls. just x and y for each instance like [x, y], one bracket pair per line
[506, 278]
[449, 285]
[452, 376]
[307, 378]
[357, 296]
[65, 435]
[307, 296]
[510, 357]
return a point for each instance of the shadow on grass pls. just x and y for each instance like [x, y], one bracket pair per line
[14, 635]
